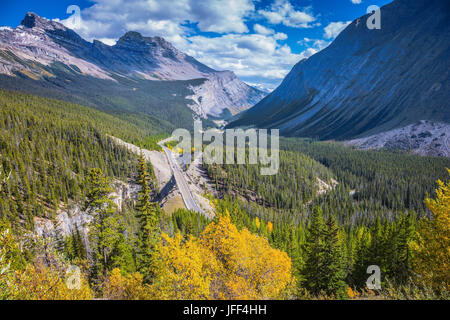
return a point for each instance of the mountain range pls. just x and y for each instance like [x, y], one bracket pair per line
[367, 82]
[138, 74]
[372, 87]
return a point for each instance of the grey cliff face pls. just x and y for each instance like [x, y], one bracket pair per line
[367, 81]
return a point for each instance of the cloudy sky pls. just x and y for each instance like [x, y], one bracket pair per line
[260, 40]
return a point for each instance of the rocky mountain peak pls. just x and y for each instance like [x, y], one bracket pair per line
[32, 20]
[134, 56]
[161, 42]
[133, 40]
[131, 36]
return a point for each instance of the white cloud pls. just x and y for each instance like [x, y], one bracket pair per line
[112, 18]
[280, 36]
[262, 30]
[255, 57]
[283, 12]
[333, 29]
[356, 1]
[108, 41]
[261, 87]
[221, 16]
[316, 44]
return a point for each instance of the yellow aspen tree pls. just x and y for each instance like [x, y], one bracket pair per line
[269, 227]
[183, 269]
[250, 267]
[432, 251]
[125, 287]
[223, 263]
[43, 283]
[257, 223]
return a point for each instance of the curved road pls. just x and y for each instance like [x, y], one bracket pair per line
[183, 185]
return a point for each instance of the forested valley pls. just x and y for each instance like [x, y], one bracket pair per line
[372, 211]
[309, 232]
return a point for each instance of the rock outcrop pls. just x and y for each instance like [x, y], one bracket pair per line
[73, 217]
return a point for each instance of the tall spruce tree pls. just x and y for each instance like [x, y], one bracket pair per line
[402, 267]
[333, 278]
[149, 216]
[362, 258]
[103, 233]
[324, 269]
[314, 253]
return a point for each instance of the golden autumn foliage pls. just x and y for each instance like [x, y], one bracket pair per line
[352, 294]
[257, 223]
[183, 269]
[250, 267]
[125, 287]
[43, 283]
[432, 251]
[269, 226]
[34, 281]
[223, 263]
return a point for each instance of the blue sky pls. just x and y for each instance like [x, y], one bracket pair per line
[260, 40]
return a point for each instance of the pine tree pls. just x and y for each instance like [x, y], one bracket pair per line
[402, 261]
[362, 257]
[3, 177]
[79, 246]
[314, 253]
[104, 225]
[334, 265]
[74, 246]
[122, 255]
[149, 215]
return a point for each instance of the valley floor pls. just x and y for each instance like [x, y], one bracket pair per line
[173, 181]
